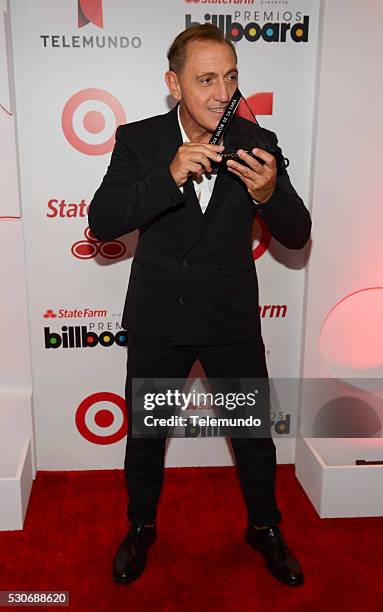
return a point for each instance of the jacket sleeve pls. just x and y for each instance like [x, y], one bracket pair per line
[285, 213]
[123, 202]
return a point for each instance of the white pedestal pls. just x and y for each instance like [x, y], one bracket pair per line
[337, 487]
[15, 485]
[16, 465]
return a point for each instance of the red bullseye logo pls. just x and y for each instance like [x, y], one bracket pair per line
[90, 247]
[90, 119]
[261, 235]
[101, 418]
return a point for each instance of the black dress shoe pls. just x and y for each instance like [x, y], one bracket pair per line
[130, 559]
[279, 559]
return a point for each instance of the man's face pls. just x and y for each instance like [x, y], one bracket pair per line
[206, 84]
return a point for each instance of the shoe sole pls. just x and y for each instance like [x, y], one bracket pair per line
[119, 580]
[270, 570]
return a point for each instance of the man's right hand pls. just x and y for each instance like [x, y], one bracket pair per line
[194, 158]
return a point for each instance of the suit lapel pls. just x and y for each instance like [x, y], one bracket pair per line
[169, 134]
[171, 139]
[222, 187]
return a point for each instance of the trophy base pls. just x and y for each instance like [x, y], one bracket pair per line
[282, 162]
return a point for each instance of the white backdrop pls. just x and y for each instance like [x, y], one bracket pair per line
[78, 75]
[344, 312]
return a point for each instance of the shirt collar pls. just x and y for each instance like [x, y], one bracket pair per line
[183, 133]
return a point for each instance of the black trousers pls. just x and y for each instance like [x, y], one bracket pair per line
[144, 459]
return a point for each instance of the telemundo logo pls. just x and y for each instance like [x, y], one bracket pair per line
[254, 31]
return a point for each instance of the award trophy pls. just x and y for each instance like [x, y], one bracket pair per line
[245, 134]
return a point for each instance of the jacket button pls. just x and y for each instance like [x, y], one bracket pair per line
[180, 299]
[184, 263]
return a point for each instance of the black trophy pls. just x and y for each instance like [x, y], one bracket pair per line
[239, 132]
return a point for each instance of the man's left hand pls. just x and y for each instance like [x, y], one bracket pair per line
[259, 179]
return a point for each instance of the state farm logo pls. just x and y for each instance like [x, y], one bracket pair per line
[49, 314]
[220, 1]
[90, 11]
[101, 418]
[67, 210]
[89, 120]
[273, 311]
[90, 247]
[75, 313]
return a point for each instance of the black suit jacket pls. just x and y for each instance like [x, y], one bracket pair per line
[193, 279]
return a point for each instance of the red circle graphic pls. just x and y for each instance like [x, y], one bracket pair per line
[101, 418]
[67, 120]
[264, 241]
[84, 250]
[89, 235]
[112, 250]
[94, 122]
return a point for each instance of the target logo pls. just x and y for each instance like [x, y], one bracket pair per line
[261, 238]
[90, 247]
[90, 119]
[101, 418]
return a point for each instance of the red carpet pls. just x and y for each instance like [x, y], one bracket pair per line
[76, 519]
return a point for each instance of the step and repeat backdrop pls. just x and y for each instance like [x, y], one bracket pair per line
[81, 68]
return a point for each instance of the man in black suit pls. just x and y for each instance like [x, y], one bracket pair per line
[193, 290]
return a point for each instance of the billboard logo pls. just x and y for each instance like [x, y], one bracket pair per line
[78, 336]
[89, 120]
[253, 31]
[101, 418]
[282, 424]
[90, 11]
[90, 247]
